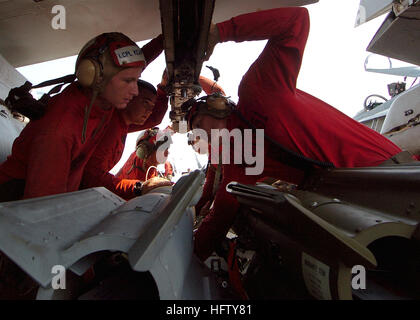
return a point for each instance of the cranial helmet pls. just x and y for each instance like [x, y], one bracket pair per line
[215, 105]
[101, 59]
[104, 56]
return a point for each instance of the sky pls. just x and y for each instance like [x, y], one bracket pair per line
[332, 69]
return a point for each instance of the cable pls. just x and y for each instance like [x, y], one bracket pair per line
[373, 95]
[147, 172]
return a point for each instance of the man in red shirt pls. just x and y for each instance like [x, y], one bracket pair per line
[269, 100]
[50, 154]
[132, 119]
[141, 165]
[144, 111]
[213, 170]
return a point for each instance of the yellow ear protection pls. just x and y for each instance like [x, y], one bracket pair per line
[89, 67]
[102, 58]
[88, 72]
[215, 105]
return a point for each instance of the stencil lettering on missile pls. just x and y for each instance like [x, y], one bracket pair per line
[317, 277]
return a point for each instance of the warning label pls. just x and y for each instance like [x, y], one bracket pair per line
[316, 275]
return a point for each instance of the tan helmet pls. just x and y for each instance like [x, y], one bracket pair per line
[215, 105]
[104, 56]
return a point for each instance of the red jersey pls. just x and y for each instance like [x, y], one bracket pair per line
[49, 154]
[269, 99]
[133, 169]
[110, 150]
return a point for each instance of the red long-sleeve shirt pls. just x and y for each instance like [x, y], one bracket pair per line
[49, 154]
[269, 99]
[110, 150]
[209, 87]
[133, 169]
[207, 194]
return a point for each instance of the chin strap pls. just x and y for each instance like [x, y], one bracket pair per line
[87, 112]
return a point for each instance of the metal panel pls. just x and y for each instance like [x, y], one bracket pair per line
[379, 111]
[178, 273]
[370, 9]
[67, 229]
[388, 189]
[35, 233]
[166, 247]
[10, 129]
[399, 36]
[27, 37]
[361, 223]
[150, 243]
[404, 107]
[9, 78]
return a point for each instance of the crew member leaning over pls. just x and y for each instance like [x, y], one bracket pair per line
[142, 163]
[269, 100]
[143, 112]
[50, 154]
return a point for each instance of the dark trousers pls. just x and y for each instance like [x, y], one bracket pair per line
[14, 283]
[12, 190]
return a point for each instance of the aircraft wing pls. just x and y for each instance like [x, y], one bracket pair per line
[27, 35]
[399, 35]
[371, 9]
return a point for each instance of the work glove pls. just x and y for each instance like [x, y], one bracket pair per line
[153, 183]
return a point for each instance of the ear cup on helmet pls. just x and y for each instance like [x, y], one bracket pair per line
[88, 72]
[98, 60]
[144, 149]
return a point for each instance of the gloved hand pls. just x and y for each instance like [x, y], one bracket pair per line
[153, 183]
[163, 85]
[126, 185]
